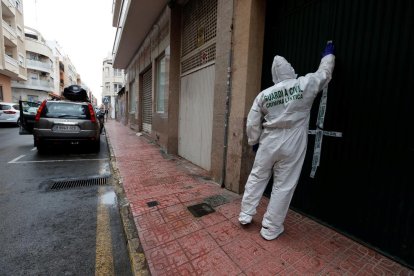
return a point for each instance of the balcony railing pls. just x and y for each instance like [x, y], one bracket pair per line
[10, 6]
[9, 34]
[9, 28]
[11, 64]
[39, 65]
[44, 85]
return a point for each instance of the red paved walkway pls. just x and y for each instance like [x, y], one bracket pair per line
[177, 243]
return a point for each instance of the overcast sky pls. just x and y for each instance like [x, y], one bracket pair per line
[83, 28]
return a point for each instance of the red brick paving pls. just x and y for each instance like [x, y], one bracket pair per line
[177, 243]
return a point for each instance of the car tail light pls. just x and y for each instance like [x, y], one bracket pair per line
[39, 111]
[92, 113]
[9, 112]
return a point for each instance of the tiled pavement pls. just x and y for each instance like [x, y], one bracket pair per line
[177, 243]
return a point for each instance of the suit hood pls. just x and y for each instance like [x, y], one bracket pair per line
[282, 70]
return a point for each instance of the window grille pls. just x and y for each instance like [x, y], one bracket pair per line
[198, 59]
[199, 24]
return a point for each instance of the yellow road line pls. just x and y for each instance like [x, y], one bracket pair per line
[104, 263]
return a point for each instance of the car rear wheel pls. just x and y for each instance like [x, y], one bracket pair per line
[96, 147]
[40, 148]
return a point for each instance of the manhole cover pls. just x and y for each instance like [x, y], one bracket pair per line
[216, 200]
[200, 210]
[75, 183]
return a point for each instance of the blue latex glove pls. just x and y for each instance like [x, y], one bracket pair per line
[329, 49]
[255, 147]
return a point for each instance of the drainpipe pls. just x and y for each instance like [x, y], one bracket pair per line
[228, 102]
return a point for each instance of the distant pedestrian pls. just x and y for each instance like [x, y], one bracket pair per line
[106, 113]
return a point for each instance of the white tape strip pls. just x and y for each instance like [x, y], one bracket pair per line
[319, 133]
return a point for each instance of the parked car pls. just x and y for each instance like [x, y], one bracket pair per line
[61, 123]
[9, 113]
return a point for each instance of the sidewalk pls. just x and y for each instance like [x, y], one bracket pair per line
[160, 187]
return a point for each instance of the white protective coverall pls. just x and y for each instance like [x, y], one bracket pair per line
[283, 137]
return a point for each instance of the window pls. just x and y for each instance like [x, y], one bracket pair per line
[117, 72]
[132, 96]
[66, 110]
[32, 56]
[117, 87]
[19, 6]
[106, 71]
[32, 98]
[107, 87]
[19, 32]
[1, 93]
[160, 85]
[21, 60]
[33, 36]
[34, 76]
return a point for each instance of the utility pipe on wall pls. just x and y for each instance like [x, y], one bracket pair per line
[228, 101]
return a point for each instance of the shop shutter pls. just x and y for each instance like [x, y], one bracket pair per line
[147, 101]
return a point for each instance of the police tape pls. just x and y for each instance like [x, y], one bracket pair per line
[319, 133]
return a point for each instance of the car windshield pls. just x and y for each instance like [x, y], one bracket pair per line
[66, 110]
[29, 107]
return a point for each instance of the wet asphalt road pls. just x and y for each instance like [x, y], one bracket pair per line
[73, 231]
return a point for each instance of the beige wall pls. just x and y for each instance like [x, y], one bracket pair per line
[249, 17]
[19, 72]
[39, 48]
[174, 83]
[5, 82]
[224, 58]
[21, 44]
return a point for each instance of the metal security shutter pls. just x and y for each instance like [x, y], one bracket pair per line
[147, 101]
[364, 184]
[197, 81]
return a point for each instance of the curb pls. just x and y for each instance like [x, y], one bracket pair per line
[139, 265]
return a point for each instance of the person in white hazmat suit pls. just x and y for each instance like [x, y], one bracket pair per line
[277, 127]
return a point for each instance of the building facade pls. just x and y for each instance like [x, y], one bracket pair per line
[12, 50]
[40, 70]
[194, 67]
[58, 64]
[112, 82]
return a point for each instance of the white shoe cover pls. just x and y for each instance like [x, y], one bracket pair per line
[271, 234]
[245, 218]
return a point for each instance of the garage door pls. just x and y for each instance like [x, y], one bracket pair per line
[364, 183]
[197, 81]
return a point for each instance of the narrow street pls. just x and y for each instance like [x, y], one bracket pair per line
[59, 212]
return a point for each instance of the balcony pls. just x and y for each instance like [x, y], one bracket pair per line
[11, 64]
[43, 85]
[39, 66]
[128, 37]
[9, 34]
[9, 7]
